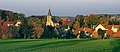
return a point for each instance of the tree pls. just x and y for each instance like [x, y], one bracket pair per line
[68, 17]
[114, 22]
[101, 33]
[81, 22]
[91, 20]
[80, 19]
[50, 32]
[70, 34]
[26, 29]
[104, 21]
[82, 34]
[57, 18]
[76, 24]
[38, 30]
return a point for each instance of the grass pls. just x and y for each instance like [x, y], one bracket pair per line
[59, 45]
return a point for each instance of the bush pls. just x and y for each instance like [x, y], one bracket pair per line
[70, 34]
[82, 34]
[50, 32]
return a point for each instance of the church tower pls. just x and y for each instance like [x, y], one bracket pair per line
[49, 19]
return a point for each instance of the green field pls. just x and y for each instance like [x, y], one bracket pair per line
[59, 45]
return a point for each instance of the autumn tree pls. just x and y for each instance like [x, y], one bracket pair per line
[80, 19]
[76, 24]
[38, 30]
[91, 20]
[103, 21]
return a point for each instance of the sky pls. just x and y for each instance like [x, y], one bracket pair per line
[62, 7]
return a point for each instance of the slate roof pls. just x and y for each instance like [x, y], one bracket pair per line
[64, 26]
[49, 13]
[54, 20]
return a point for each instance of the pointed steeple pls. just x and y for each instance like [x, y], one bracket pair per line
[49, 13]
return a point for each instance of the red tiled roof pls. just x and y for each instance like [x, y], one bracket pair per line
[88, 30]
[110, 26]
[116, 26]
[6, 23]
[78, 29]
[110, 32]
[117, 34]
[65, 19]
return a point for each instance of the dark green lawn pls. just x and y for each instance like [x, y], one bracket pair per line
[59, 45]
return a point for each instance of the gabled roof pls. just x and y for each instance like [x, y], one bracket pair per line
[105, 26]
[109, 26]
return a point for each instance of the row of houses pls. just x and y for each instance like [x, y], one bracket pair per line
[112, 30]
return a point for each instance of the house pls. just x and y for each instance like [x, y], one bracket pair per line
[89, 30]
[67, 21]
[65, 27]
[56, 23]
[8, 23]
[101, 26]
[117, 34]
[111, 30]
[115, 28]
[78, 30]
[17, 23]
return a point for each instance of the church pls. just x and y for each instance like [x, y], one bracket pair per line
[50, 20]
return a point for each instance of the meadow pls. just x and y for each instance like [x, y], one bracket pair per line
[59, 45]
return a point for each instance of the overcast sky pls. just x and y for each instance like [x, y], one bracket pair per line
[61, 7]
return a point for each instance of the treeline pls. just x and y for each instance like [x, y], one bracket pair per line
[34, 26]
[28, 27]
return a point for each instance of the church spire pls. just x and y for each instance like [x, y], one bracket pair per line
[49, 13]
